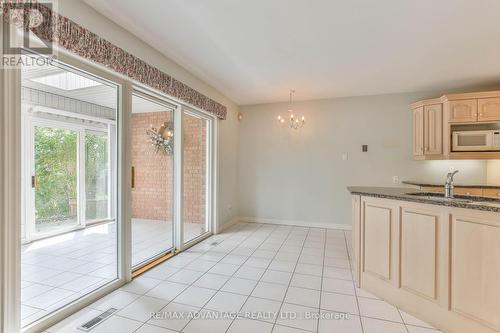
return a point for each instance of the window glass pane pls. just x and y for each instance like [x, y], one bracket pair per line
[69, 182]
[96, 176]
[195, 132]
[153, 172]
[55, 179]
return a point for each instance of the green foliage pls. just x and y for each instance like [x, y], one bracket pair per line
[96, 176]
[57, 174]
[56, 171]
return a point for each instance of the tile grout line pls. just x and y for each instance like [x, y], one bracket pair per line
[353, 281]
[289, 282]
[322, 278]
[218, 290]
[260, 278]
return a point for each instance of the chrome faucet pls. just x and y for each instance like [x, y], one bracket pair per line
[449, 188]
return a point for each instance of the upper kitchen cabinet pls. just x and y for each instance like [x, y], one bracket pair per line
[489, 109]
[440, 123]
[428, 130]
[433, 130]
[462, 111]
[472, 107]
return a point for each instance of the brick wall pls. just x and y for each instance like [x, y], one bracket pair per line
[153, 192]
[194, 169]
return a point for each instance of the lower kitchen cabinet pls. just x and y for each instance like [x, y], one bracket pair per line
[440, 264]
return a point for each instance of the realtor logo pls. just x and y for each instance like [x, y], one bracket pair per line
[19, 20]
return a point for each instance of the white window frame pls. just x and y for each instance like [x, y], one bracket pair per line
[32, 120]
[11, 185]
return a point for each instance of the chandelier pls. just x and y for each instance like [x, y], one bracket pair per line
[293, 121]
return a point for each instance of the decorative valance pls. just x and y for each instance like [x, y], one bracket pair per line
[78, 40]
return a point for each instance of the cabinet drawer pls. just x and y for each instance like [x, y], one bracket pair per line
[491, 192]
[488, 109]
[435, 189]
[463, 111]
[468, 191]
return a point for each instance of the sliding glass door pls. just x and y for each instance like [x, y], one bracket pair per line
[69, 231]
[54, 180]
[197, 157]
[152, 178]
[74, 171]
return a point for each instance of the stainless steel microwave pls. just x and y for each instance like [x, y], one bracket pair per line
[484, 140]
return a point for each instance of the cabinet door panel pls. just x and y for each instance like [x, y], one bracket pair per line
[463, 111]
[491, 192]
[377, 240]
[489, 109]
[418, 132]
[419, 252]
[433, 129]
[475, 269]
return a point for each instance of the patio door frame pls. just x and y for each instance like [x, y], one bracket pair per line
[210, 174]
[179, 111]
[155, 97]
[11, 182]
[30, 217]
[30, 122]
[11, 175]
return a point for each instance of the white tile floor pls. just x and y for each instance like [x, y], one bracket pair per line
[60, 269]
[261, 272]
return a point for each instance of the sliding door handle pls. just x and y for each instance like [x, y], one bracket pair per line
[34, 182]
[133, 177]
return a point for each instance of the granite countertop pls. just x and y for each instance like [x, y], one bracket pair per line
[395, 193]
[429, 184]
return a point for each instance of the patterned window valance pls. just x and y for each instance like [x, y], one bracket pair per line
[78, 40]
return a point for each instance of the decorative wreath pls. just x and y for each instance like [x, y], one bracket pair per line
[162, 139]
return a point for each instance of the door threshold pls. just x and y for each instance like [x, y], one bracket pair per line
[152, 264]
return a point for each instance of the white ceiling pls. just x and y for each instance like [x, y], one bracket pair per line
[255, 51]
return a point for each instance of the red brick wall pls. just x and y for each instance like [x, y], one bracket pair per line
[194, 169]
[153, 192]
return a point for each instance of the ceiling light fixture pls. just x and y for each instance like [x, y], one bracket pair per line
[293, 121]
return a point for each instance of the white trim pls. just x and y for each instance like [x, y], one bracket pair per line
[58, 112]
[178, 241]
[10, 198]
[228, 225]
[309, 224]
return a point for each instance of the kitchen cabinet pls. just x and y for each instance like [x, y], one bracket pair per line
[427, 131]
[435, 120]
[378, 222]
[462, 111]
[419, 251]
[475, 252]
[488, 109]
[469, 191]
[433, 129]
[436, 262]
[491, 192]
[418, 132]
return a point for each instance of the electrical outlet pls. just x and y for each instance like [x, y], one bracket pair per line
[395, 180]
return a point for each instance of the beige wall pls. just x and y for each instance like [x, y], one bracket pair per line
[227, 148]
[300, 175]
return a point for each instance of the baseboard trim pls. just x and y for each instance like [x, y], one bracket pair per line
[297, 223]
[228, 224]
